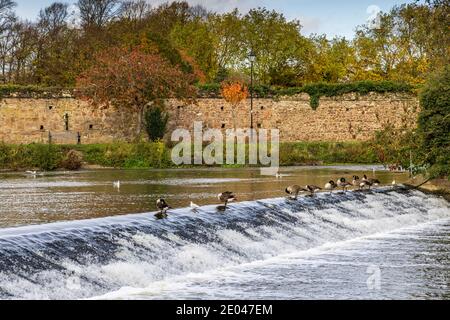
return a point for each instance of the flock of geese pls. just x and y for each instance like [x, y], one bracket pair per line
[293, 192]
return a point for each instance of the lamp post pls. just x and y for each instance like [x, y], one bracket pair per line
[252, 58]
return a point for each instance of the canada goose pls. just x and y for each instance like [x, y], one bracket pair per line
[365, 183]
[226, 197]
[311, 189]
[162, 206]
[356, 182]
[343, 184]
[293, 191]
[331, 185]
[374, 182]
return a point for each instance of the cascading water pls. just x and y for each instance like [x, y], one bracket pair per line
[90, 258]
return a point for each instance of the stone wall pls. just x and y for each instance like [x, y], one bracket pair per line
[26, 120]
[344, 118]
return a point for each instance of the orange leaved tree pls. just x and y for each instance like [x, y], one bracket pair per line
[132, 79]
[234, 93]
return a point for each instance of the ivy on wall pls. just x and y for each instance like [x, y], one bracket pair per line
[315, 90]
[318, 90]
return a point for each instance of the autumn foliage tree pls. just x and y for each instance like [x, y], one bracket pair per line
[133, 79]
[234, 93]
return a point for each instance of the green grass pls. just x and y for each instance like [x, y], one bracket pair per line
[299, 153]
[158, 155]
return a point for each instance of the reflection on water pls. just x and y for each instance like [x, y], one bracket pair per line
[90, 194]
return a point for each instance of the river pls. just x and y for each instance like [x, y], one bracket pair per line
[74, 235]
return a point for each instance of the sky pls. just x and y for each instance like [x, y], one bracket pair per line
[330, 17]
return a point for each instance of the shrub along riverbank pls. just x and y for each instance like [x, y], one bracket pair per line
[158, 155]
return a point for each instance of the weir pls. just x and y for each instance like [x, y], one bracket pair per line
[87, 258]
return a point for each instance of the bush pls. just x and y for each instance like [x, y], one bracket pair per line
[294, 153]
[156, 123]
[30, 90]
[158, 155]
[73, 160]
[39, 156]
[43, 156]
[396, 146]
[434, 123]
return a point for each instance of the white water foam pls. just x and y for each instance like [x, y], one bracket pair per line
[150, 264]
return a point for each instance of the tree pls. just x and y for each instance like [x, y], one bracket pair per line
[434, 122]
[395, 146]
[195, 39]
[163, 18]
[97, 13]
[131, 79]
[56, 49]
[135, 11]
[8, 21]
[53, 18]
[227, 39]
[5, 8]
[330, 60]
[277, 43]
[234, 93]
[411, 41]
[156, 123]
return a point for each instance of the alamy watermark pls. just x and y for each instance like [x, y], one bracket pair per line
[234, 146]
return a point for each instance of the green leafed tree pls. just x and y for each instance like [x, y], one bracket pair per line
[279, 47]
[156, 123]
[434, 123]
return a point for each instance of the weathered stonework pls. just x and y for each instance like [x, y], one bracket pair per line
[343, 118]
[30, 120]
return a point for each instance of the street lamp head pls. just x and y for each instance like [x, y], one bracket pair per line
[252, 56]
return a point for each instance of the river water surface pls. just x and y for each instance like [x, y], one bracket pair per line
[76, 235]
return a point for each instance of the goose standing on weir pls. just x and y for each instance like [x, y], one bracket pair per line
[162, 206]
[356, 182]
[365, 183]
[311, 189]
[331, 185]
[293, 191]
[343, 184]
[226, 197]
[374, 182]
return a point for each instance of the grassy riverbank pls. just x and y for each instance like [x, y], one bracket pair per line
[158, 155]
